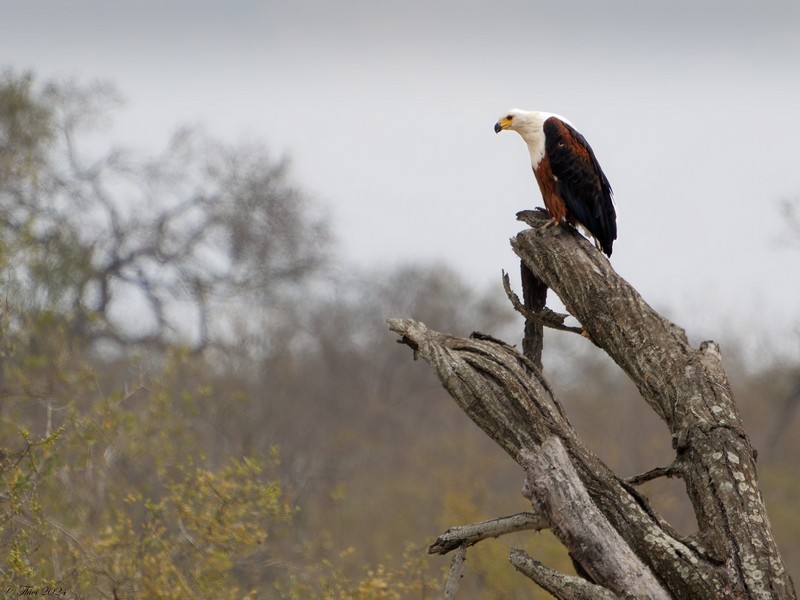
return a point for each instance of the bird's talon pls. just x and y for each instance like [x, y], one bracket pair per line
[548, 225]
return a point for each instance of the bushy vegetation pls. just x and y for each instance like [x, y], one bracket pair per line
[198, 400]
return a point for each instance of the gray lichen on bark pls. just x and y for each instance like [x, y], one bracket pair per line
[733, 554]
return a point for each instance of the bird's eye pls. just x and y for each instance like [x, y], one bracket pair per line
[510, 117]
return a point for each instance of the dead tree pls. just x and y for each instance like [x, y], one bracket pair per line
[621, 547]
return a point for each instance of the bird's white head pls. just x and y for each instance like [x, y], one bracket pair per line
[529, 124]
[526, 123]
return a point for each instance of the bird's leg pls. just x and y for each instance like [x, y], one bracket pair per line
[549, 224]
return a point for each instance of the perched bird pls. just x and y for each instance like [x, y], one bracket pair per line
[573, 185]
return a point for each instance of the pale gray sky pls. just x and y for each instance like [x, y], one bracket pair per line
[387, 108]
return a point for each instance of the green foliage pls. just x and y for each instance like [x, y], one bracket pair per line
[121, 501]
[188, 542]
[22, 471]
[26, 127]
[408, 578]
[73, 515]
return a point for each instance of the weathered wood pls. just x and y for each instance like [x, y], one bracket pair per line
[534, 298]
[456, 572]
[555, 489]
[475, 532]
[668, 471]
[537, 316]
[686, 387]
[503, 393]
[563, 587]
[734, 554]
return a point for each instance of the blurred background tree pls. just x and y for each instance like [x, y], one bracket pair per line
[195, 246]
[197, 397]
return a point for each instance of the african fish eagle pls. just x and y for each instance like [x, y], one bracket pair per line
[573, 185]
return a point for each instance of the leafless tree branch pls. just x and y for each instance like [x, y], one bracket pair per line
[467, 535]
[563, 587]
[734, 554]
[668, 471]
[456, 572]
[545, 317]
[554, 487]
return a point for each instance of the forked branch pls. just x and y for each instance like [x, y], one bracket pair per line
[545, 317]
[734, 554]
[505, 395]
[554, 488]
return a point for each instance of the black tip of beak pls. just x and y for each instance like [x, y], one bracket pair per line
[497, 127]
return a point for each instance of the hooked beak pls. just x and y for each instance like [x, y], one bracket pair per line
[504, 123]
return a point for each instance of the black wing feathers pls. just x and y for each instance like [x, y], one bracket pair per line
[581, 182]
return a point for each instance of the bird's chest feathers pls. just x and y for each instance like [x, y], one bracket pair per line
[536, 149]
[548, 185]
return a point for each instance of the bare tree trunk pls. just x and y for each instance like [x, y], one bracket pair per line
[626, 549]
[534, 294]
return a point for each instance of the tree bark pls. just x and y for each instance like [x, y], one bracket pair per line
[534, 294]
[563, 587]
[553, 485]
[733, 554]
[468, 535]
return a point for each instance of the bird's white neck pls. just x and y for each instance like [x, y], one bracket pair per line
[530, 127]
[534, 138]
